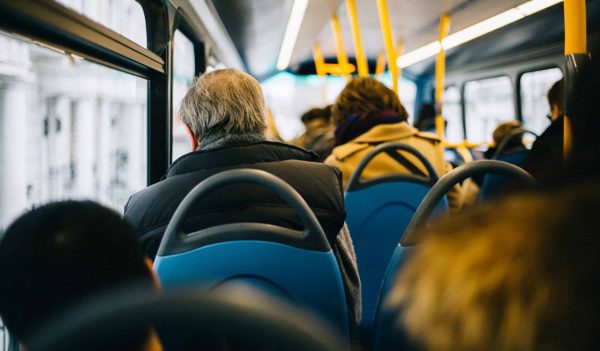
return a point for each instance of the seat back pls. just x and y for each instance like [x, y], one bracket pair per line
[386, 333]
[378, 211]
[233, 319]
[296, 265]
[495, 184]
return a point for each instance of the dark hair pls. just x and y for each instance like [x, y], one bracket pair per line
[556, 95]
[425, 119]
[365, 95]
[316, 113]
[60, 253]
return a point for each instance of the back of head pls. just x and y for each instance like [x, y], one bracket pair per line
[425, 119]
[365, 95]
[57, 254]
[505, 129]
[224, 102]
[556, 95]
[519, 275]
[316, 113]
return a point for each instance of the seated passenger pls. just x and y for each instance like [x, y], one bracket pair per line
[545, 159]
[318, 136]
[224, 111]
[58, 254]
[514, 144]
[367, 113]
[425, 119]
[519, 275]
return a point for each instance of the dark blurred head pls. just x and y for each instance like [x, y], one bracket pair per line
[425, 119]
[60, 253]
[556, 99]
[317, 113]
[505, 129]
[365, 95]
[521, 274]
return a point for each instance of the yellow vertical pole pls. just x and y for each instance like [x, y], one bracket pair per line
[386, 29]
[575, 56]
[339, 44]
[440, 74]
[320, 68]
[380, 68]
[399, 52]
[361, 60]
[318, 58]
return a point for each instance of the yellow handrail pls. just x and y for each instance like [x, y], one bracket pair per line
[575, 44]
[386, 29]
[440, 73]
[318, 58]
[361, 60]
[380, 68]
[339, 43]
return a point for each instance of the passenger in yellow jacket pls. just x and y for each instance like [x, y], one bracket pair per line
[366, 114]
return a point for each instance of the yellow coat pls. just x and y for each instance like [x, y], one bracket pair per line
[347, 156]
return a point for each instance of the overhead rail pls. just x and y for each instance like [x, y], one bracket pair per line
[68, 31]
[361, 60]
[323, 68]
[576, 57]
[440, 75]
[388, 39]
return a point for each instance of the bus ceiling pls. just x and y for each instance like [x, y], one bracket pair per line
[258, 30]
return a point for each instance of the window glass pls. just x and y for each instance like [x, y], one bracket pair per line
[534, 103]
[69, 129]
[183, 78]
[452, 112]
[125, 17]
[488, 102]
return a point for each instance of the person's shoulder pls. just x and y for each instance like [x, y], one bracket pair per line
[429, 137]
[342, 152]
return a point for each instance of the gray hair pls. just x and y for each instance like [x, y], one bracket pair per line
[226, 101]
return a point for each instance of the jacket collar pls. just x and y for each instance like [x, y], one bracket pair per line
[376, 135]
[236, 155]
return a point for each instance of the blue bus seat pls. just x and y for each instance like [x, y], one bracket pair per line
[378, 211]
[298, 266]
[387, 333]
[495, 184]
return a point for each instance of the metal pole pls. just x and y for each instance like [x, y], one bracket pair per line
[386, 29]
[361, 61]
[440, 74]
[576, 57]
[339, 45]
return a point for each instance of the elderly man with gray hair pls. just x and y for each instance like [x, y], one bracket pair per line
[224, 113]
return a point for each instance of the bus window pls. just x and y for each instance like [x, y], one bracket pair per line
[183, 77]
[69, 129]
[488, 102]
[125, 17]
[534, 104]
[452, 111]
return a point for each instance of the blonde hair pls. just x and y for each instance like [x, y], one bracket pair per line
[365, 94]
[521, 275]
[505, 129]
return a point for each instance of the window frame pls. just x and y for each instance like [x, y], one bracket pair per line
[516, 110]
[519, 77]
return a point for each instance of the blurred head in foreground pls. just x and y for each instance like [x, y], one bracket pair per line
[521, 275]
[58, 254]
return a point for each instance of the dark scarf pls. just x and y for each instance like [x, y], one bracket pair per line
[358, 124]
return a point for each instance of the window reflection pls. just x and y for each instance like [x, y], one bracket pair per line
[488, 102]
[534, 103]
[125, 17]
[70, 129]
[183, 78]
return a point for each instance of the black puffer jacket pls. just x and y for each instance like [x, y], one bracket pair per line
[150, 210]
